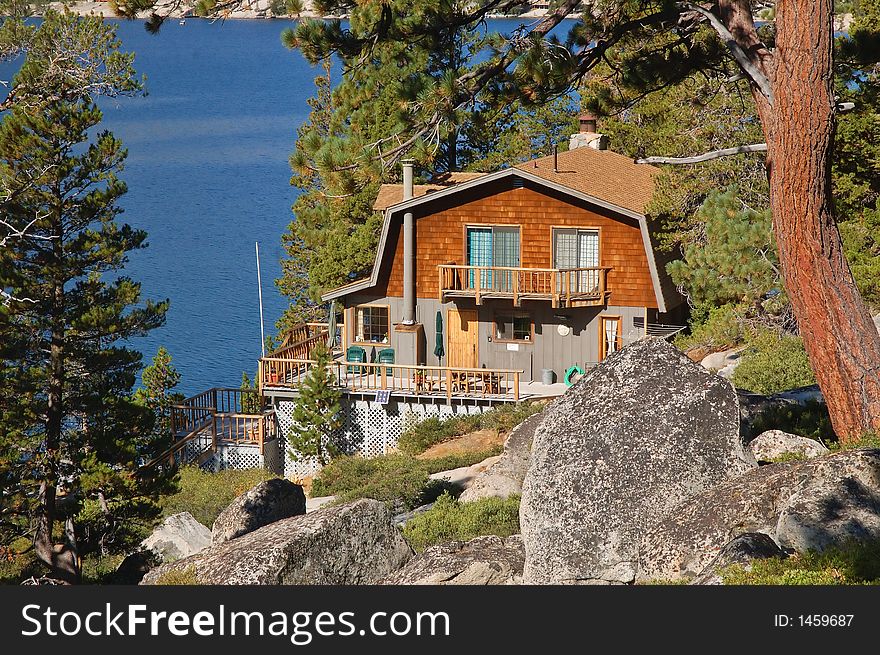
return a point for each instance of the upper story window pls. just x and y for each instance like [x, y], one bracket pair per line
[577, 248]
[371, 324]
[492, 246]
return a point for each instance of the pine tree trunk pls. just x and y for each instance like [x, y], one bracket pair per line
[60, 558]
[839, 336]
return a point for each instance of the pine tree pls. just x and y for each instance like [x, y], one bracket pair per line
[71, 437]
[157, 393]
[334, 235]
[317, 413]
[250, 398]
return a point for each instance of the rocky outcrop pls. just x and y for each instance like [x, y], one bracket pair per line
[355, 543]
[505, 477]
[270, 501]
[632, 439]
[802, 506]
[480, 561]
[460, 479]
[743, 550]
[775, 444]
[179, 536]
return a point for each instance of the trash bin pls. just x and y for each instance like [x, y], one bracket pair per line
[547, 376]
[355, 354]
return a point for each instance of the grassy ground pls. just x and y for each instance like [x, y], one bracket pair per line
[449, 520]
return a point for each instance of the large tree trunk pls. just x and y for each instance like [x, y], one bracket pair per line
[839, 336]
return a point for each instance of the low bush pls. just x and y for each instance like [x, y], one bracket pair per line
[417, 438]
[854, 564]
[772, 363]
[808, 420]
[391, 478]
[719, 329]
[867, 440]
[185, 576]
[205, 495]
[450, 520]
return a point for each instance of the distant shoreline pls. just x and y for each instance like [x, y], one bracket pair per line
[259, 10]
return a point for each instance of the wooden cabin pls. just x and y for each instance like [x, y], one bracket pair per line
[540, 267]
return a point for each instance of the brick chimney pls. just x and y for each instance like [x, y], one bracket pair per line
[588, 137]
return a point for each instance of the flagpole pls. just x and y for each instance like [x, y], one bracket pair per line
[260, 288]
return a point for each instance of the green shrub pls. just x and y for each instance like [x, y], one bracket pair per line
[720, 329]
[185, 576]
[449, 520]
[808, 420]
[867, 440]
[854, 564]
[772, 363]
[391, 478]
[417, 438]
[205, 495]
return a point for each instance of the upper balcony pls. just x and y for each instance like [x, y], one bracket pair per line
[572, 287]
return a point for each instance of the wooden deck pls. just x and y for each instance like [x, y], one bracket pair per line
[216, 417]
[576, 287]
[423, 381]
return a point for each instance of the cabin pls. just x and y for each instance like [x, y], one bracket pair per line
[486, 288]
[544, 268]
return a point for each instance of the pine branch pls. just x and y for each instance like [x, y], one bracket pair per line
[754, 73]
[706, 156]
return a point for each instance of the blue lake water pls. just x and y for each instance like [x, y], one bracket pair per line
[208, 176]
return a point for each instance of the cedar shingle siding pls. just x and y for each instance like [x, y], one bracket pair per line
[440, 238]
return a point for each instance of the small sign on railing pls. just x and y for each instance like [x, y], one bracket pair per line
[383, 396]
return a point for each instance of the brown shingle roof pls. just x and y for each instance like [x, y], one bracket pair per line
[603, 174]
[391, 194]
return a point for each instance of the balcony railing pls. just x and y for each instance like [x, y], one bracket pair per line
[439, 381]
[563, 287]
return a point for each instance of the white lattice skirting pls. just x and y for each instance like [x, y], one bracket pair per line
[370, 429]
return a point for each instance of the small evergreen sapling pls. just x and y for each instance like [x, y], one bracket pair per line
[317, 414]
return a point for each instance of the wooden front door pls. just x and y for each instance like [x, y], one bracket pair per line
[461, 338]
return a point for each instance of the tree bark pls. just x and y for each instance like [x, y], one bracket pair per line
[60, 558]
[839, 336]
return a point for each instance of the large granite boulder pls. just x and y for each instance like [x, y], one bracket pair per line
[178, 536]
[775, 444]
[480, 561]
[270, 501]
[633, 438]
[355, 543]
[806, 505]
[743, 550]
[505, 477]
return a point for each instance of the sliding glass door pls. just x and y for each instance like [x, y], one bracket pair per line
[573, 249]
[493, 247]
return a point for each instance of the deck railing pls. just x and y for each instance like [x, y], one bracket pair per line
[561, 286]
[230, 415]
[409, 379]
[302, 338]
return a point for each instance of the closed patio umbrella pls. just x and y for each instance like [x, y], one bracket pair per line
[438, 347]
[331, 326]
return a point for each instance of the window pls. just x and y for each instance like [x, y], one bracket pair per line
[574, 248]
[610, 339]
[513, 327]
[371, 324]
[493, 246]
